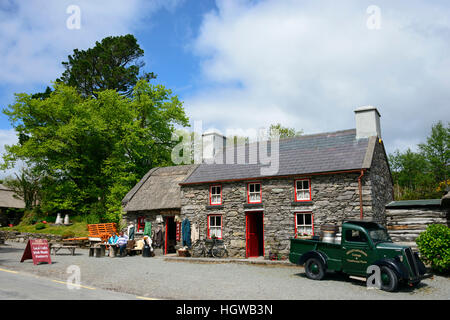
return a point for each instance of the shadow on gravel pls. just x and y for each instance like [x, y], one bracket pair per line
[8, 249]
[345, 278]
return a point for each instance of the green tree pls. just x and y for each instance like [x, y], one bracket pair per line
[26, 186]
[89, 150]
[113, 63]
[284, 132]
[437, 152]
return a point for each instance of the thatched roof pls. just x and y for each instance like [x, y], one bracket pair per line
[158, 189]
[7, 199]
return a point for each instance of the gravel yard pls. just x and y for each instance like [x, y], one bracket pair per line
[159, 278]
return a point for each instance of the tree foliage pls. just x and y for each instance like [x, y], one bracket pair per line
[423, 174]
[113, 63]
[91, 150]
[284, 132]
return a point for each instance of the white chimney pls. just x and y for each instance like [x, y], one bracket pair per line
[213, 144]
[367, 122]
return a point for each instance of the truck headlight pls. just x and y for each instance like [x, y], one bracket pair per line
[400, 258]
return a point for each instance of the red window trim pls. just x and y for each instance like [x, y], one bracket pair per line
[295, 221]
[221, 225]
[295, 190]
[248, 191]
[138, 225]
[210, 195]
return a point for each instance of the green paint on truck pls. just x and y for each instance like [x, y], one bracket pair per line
[363, 244]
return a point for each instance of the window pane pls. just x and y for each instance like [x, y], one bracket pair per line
[308, 219]
[306, 184]
[257, 187]
[252, 187]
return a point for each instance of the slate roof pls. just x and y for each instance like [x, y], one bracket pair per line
[318, 153]
[158, 189]
[7, 199]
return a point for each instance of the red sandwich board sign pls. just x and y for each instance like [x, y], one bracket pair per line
[37, 249]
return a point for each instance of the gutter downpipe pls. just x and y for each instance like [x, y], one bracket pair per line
[360, 195]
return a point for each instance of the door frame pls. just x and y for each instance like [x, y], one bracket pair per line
[255, 212]
[166, 219]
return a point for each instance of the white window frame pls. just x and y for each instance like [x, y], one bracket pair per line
[214, 197]
[305, 193]
[301, 227]
[256, 195]
[214, 229]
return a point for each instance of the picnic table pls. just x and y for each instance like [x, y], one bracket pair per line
[56, 247]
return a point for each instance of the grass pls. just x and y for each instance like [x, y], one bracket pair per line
[77, 229]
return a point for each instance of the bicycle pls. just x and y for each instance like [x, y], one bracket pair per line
[217, 249]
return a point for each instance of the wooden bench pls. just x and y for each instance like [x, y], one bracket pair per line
[97, 250]
[56, 247]
[102, 230]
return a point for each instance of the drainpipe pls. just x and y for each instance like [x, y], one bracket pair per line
[360, 195]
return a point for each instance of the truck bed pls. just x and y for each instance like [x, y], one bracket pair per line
[302, 246]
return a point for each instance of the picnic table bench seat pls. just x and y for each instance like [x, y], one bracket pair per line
[56, 247]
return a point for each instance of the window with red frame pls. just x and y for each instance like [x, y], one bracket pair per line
[254, 192]
[303, 190]
[304, 224]
[215, 226]
[215, 195]
[140, 225]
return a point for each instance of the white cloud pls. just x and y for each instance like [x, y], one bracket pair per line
[34, 37]
[309, 64]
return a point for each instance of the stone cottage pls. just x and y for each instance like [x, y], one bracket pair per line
[321, 178]
[10, 202]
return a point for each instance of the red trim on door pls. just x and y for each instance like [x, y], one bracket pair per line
[247, 227]
[295, 190]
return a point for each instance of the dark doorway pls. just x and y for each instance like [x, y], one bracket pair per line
[254, 234]
[171, 235]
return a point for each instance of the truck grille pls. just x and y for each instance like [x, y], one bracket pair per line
[412, 262]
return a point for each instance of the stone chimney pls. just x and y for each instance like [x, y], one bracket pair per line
[367, 122]
[213, 144]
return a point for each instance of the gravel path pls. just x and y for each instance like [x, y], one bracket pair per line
[157, 278]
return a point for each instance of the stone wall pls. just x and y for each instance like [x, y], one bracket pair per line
[15, 236]
[382, 185]
[333, 198]
[150, 216]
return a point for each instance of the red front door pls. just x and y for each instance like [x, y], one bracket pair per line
[254, 234]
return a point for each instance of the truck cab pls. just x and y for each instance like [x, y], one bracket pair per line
[362, 244]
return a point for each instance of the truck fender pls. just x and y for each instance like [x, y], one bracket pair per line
[398, 267]
[313, 254]
[420, 265]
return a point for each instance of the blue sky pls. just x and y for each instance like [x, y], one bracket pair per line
[242, 64]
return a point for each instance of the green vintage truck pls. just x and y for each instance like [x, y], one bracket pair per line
[362, 244]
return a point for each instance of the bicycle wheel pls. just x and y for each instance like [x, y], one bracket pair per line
[198, 250]
[218, 252]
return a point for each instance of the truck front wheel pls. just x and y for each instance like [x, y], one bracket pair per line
[314, 269]
[389, 279]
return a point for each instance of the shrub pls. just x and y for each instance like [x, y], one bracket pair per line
[434, 246]
[40, 226]
[68, 234]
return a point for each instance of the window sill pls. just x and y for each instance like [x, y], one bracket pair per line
[302, 203]
[212, 207]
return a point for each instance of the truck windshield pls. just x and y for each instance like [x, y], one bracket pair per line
[379, 235]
